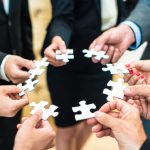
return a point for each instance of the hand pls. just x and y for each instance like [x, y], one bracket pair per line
[13, 68]
[115, 42]
[140, 98]
[50, 52]
[31, 137]
[140, 73]
[10, 101]
[124, 124]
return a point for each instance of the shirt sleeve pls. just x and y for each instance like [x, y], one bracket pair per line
[137, 34]
[2, 70]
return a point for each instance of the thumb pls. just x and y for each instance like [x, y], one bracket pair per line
[106, 119]
[34, 119]
[11, 89]
[25, 63]
[62, 46]
[140, 90]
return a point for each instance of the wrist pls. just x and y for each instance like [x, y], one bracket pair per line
[22, 146]
[129, 34]
[56, 39]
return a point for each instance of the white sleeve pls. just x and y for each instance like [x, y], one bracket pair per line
[2, 70]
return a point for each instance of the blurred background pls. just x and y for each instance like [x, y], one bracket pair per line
[40, 11]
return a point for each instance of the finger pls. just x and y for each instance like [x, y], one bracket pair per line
[50, 51]
[25, 63]
[11, 89]
[34, 119]
[93, 44]
[19, 126]
[91, 121]
[106, 120]
[97, 128]
[19, 104]
[141, 90]
[116, 55]
[62, 47]
[103, 133]
[134, 79]
[110, 52]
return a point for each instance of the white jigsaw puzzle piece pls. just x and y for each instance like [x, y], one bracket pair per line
[93, 53]
[64, 57]
[117, 68]
[85, 111]
[29, 86]
[50, 112]
[117, 89]
[46, 112]
[38, 70]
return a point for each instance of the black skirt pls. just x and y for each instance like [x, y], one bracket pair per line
[79, 80]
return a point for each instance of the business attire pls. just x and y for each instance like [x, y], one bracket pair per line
[140, 15]
[2, 56]
[146, 145]
[78, 22]
[16, 38]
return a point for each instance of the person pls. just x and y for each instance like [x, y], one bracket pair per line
[29, 136]
[116, 45]
[11, 68]
[16, 34]
[75, 24]
[124, 125]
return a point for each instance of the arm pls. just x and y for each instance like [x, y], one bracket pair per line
[26, 31]
[140, 16]
[62, 21]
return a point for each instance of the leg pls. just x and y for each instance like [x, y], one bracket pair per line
[83, 133]
[65, 138]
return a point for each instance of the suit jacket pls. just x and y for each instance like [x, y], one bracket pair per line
[146, 145]
[2, 55]
[16, 30]
[75, 20]
[140, 15]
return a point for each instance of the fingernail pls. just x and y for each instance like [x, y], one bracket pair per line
[142, 76]
[128, 65]
[131, 71]
[138, 74]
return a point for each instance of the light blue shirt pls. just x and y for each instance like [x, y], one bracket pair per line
[137, 33]
[6, 6]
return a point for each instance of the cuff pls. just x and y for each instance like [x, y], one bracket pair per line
[2, 70]
[137, 34]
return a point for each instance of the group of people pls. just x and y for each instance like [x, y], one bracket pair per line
[112, 26]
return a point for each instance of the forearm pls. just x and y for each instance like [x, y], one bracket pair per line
[140, 16]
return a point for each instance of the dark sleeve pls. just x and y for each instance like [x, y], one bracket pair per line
[26, 31]
[140, 15]
[62, 21]
[146, 145]
[2, 55]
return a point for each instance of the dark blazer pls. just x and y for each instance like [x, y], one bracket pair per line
[2, 55]
[16, 30]
[146, 145]
[74, 20]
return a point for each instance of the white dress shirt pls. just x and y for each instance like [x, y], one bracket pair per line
[109, 13]
[6, 6]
